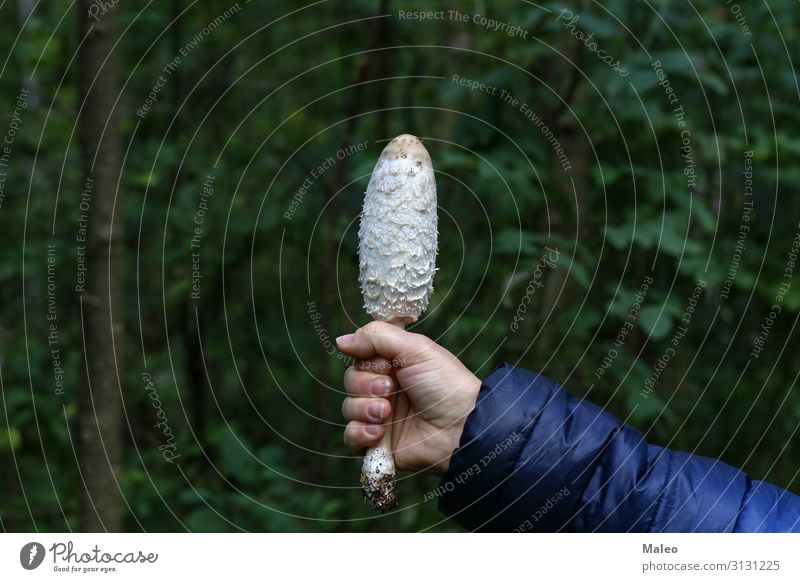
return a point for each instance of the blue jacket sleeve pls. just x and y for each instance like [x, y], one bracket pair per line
[534, 458]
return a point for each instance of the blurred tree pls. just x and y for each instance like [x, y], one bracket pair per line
[102, 317]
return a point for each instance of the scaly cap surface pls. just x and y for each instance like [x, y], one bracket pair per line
[398, 233]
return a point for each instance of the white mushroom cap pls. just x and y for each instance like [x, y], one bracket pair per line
[398, 234]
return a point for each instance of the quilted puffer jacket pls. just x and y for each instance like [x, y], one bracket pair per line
[534, 458]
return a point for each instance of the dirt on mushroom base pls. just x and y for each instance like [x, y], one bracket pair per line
[378, 490]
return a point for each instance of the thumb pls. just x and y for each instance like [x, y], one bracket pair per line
[379, 338]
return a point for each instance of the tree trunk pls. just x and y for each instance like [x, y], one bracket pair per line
[99, 416]
[195, 373]
[29, 78]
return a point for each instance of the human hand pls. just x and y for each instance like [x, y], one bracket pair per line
[433, 392]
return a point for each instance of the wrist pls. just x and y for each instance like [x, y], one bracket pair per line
[453, 433]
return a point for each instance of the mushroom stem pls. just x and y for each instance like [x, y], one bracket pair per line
[378, 473]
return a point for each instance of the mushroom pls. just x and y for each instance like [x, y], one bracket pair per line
[397, 261]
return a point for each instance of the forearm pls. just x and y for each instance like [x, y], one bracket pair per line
[533, 458]
[499, 477]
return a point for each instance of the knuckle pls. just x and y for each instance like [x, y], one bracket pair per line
[424, 342]
[352, 382]
[420, 345]
[356, 384]
[379, 328]
[372, 326]
[376, 365]
[353, 432]
[351, 409]
[347, 435]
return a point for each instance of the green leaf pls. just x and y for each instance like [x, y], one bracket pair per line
[655, 322]
[11, 439]
[618, 237]
[203, 520]
[600, 27]
[580, 273]
[644, 409]
[791, 301]
[235, 459]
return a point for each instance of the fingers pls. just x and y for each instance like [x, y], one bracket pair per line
[381, 347]
[367, 407]
[367, 410]
[359, 435]
[358, 383]
[379, 338]
[377, 365]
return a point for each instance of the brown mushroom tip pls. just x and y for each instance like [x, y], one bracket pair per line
[407, 138]
[407, 146]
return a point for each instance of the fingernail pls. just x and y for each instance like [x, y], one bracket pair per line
[375, 410]
[381, 387]
[345, 340]
[371, 429]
